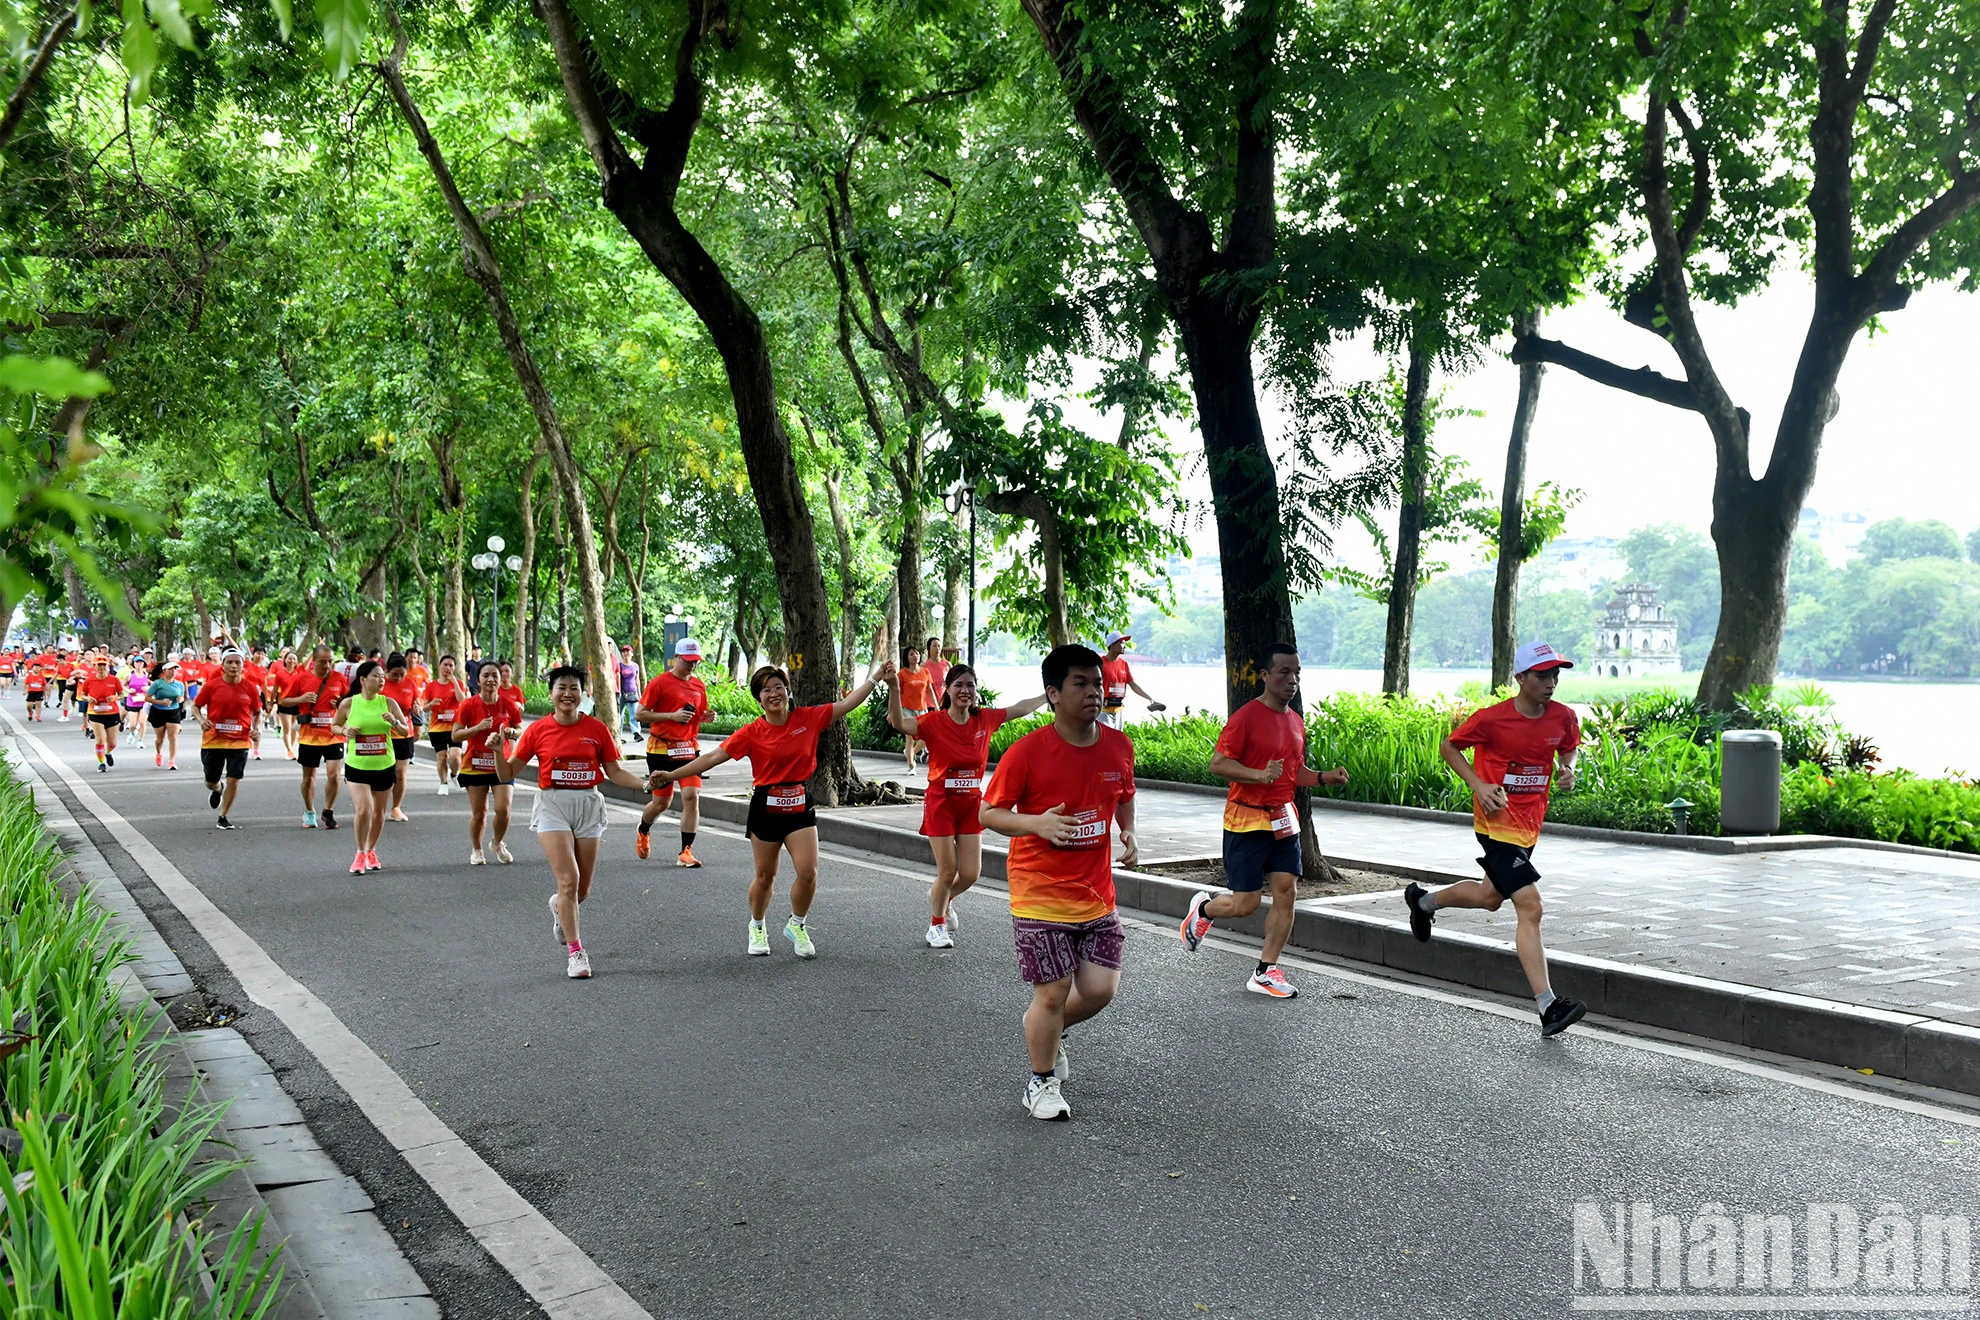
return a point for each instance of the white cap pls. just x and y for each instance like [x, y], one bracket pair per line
[1113, 637]
[687, 649]
[1539, 655]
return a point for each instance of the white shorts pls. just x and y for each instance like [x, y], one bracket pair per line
[1111, 718]
[579, 812]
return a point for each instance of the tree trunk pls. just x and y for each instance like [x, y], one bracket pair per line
[206, 620]
[742, 655]
[1512, 511]
[1409, 524]
[563, 584]
[907, 575]
[456, 640]
[1040, 512]
[526, 575]
[954, 611]
[642, 198]
[637, 587]
[848, 575]
[486, 271]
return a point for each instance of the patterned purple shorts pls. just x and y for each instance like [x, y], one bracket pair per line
[1050, 950]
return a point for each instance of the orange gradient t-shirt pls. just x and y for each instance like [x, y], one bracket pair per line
[1074, 883]
[1255, 737]
[1512, 749]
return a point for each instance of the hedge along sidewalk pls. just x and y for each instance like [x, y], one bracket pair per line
[338, 1261]
[1842, 955]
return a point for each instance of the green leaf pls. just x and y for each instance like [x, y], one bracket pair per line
[284, 16]
[170, 17]
[140, 50]
[58, 378]
[344, 24]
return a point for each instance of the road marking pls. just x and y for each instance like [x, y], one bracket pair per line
[551, 1268]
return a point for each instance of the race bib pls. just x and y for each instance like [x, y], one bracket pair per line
[683, 750]
[963, 783]
[1526, 778]
[786, 799]
[570, 772]
[445, 716]
[483, 761]
[229, 728]
[1285, 822]
[1089, 830]
[372, 744]
[1117, 691]
[321, 719]
[103, 708]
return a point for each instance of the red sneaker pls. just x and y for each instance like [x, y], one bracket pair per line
[1195, 926]
[642, 844]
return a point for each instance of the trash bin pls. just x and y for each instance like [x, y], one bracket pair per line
[1749, 781]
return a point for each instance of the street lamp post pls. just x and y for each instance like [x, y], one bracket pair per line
[492, 563]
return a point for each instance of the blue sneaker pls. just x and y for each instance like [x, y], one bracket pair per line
[309, 820]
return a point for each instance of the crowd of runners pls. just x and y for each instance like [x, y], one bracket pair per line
[1064, 793]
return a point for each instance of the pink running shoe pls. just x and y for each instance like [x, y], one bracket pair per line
[357, 863]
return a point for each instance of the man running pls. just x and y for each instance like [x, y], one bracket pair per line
[958, 739]
[9, 659]
[1262, 751]
[442, 701]
[255, 671]
[313, 694]
[166, 699]
[782, 748]
[101, 696]
[226, 706]
[34, 687]
[487, 714]
[672, 709]
[1516, 747]
[1119, 678]
[574, 754]
[1057, 794]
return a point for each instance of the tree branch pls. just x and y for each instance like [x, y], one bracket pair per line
[37, 65]
[1701, 179]
[1254, 214]
[1876, 288]
[1641, 381]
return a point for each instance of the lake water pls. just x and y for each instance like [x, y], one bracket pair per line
[1926, 727]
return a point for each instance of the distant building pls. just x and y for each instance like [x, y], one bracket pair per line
[1634, 639]
[1198, 580]
[1580, 562]
[1839, 534]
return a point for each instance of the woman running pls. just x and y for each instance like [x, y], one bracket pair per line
[166, 699]
[368, 720]
[782, 748]
[399, 686]
[915, 690]
[574, 753]
[958, 740]
[483, 715]
[442, 702]
[136, 680]
[279, 674]
[100, 694]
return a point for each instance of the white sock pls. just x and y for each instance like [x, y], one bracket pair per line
[1545, 999]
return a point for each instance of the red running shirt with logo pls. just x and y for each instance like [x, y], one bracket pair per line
[1075, 883]
[1255, 737]
[1517, 751]
[567, 755]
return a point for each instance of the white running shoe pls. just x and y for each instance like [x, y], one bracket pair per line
[938, 938]
[476, 859]
[1042, 1099]
[556, 922]
[443, 790]
[502, 853]
[579, 968]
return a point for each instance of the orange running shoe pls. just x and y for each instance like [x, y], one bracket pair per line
[642, 844]
[688, 859]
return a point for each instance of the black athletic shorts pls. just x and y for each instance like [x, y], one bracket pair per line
[110, 721]
[441, 740]
[485, 779]
[402, 748]
[776, 826]
[231, 760]
[1507, 865]
[158, 719]
[311, 755]
[1251, 855]
[33, 698]
[378, 781]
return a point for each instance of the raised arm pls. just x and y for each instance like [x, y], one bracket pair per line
[900, 719]
[856, 698]
[1017, 710]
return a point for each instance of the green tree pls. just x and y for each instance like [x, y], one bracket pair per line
[1901, 538]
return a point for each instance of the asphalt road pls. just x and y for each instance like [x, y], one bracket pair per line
[743, 1137]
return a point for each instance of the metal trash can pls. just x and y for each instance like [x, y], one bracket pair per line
[1749, 781]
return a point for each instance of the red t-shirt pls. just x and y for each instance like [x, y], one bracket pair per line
[784, 753]
[36, 680]
[1254, 737]
[1511, 749]
[1114, 679]
[938, 671]
[192, 672]
[101, 693]
[666, 695]
[406, 693]
[1041, 770]
[256, 675]
[479, 757]
[512, 693]
[231, 708]
[316, 715]
[446, 699]
[917, 691]
[958, 753]
[568, 755]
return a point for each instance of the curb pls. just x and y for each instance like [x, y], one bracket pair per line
[1924, 1050]
[338, 1260]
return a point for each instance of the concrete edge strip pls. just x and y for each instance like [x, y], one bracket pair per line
[550, 1267]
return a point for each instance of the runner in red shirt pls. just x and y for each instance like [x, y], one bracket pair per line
[672, 709]
[279, 675]
[782, 748]
[1057, 793]
[510, 688]
[255, 671]
[937, 666]
[442, 702]
[958, 739]
[482, 716]
[399, 686]
[101, 695]
[9, 662]
[916, 690]
[313, 694]
[574, 753]
[1118, 676]
[1516, 747]
[34, 687]
[226, 706]
[1262, 751]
